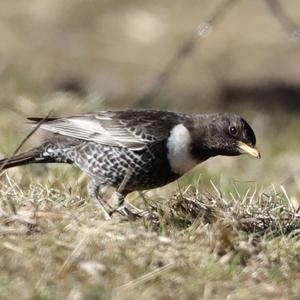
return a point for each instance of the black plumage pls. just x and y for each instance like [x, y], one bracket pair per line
[138, 149]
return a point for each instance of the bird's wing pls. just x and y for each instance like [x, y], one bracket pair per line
[129, 129]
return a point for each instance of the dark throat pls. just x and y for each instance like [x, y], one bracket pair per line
[202, 153]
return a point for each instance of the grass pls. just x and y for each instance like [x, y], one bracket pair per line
[226, 233]
[197, 245]
[231, 232]
[216, 235]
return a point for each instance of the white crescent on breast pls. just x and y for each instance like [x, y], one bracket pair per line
[179, 150]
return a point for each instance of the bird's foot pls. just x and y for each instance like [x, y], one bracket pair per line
[130, 211]
[119, 206]
[125, 212]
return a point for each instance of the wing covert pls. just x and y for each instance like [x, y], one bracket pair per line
[129, 129]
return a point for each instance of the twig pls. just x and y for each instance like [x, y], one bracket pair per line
[287, 23]
[72, 257]
[4, 230]
[31, 133]
[146, 277]
[184, 50]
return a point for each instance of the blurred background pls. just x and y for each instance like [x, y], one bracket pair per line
[68, 57]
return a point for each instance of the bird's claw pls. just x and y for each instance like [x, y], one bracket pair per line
[129, 211]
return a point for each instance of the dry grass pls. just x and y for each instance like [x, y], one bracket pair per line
[228, 240]
[198, 245]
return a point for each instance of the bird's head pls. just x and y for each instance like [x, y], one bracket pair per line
[223, 134]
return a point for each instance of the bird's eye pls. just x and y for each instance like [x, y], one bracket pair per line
[233, 130]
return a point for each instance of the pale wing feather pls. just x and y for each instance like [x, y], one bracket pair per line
[106, 131]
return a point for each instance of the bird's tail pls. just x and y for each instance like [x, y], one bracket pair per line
[30, 157]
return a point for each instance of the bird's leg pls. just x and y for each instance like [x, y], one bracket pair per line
[130, 207]
[123, 207]
[118, 201]
[93, 191]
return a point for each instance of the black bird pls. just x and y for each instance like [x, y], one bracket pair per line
[138, 150]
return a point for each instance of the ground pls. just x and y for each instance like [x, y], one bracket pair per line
[229, 229]
[197, 245]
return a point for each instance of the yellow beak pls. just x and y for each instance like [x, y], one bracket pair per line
[247, 149]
